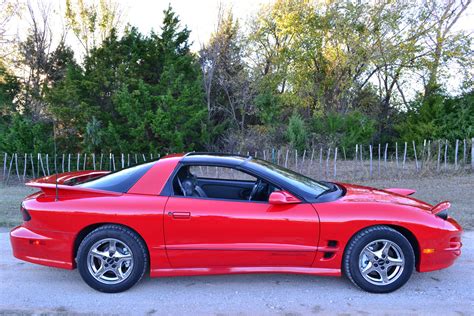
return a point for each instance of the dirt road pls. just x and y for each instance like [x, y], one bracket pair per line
[31, 289]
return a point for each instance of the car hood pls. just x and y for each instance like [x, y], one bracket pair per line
[363, 194]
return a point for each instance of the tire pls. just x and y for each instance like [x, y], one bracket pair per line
[379, 259]
[116, 256]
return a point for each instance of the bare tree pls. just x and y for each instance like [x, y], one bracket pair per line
[444, 16]
[226, 80]
[8, 11]
[92, 23]
[39, 59]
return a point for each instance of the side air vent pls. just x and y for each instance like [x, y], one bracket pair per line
[328, 254]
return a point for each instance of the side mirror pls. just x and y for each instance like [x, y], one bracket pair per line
[282, 197]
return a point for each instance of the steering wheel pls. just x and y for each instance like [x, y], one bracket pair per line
[256, 188]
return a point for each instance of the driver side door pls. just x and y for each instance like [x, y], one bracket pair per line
[228, 230]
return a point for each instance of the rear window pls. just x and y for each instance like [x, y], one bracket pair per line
[120, 181]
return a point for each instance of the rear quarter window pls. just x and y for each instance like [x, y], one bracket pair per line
[120, 181]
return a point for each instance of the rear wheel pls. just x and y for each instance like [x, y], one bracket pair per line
[379, 259]
[112, 259]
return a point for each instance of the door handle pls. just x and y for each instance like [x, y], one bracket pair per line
[180, 215]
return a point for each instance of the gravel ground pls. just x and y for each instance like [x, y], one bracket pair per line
[32, 289]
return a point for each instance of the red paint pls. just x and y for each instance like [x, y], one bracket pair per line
[440, 207]
[190, 236]
[74, 176]
[240, 233]
[282, 197]
[401, 191]
[67, 192]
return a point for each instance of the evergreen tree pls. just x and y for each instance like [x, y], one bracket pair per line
[135, 94]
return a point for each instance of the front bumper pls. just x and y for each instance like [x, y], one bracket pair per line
[47, 248]
[446, 246]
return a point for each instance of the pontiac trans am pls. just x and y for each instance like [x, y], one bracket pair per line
[205, 213]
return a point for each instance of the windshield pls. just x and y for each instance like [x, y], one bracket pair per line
[308, 185]
[120, 181]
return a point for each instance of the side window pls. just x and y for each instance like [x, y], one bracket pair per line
[220, 183]
[223, 173]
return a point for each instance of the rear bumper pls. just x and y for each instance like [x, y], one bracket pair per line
[53, 249]
[447, 248]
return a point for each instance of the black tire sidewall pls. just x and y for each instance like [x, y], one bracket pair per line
[126, 236]
[364, 238]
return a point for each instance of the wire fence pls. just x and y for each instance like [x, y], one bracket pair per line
[323, 162]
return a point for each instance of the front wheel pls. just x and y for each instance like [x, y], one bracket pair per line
[112, 259]
[379, 259]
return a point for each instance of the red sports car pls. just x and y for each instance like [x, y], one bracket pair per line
[203, 213]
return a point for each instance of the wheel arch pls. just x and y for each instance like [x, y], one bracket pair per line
[409, 235]
[87, 229]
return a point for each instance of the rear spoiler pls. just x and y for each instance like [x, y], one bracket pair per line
[71, 178]
[50, 189]
[62, 184]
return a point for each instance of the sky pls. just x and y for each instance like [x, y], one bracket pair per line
[200, 16]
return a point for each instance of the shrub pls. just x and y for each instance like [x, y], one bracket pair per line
[297, 132]
[343, 130]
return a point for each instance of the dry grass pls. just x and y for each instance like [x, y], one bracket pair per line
[456, 188]
[351, 170]
[10, 200]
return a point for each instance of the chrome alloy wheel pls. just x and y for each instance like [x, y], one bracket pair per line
[381, 262]
[110, 261]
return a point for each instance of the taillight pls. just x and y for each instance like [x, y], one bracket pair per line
[443, 214]
[24, 213]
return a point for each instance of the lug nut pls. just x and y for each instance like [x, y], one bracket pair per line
[376, 265]
[387, 262]
[382, 267]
